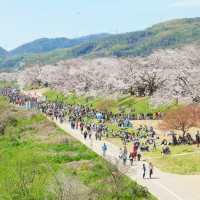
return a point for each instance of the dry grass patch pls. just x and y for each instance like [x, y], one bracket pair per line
[80, 165]
[69, 187]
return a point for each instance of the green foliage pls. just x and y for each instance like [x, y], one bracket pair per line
[30, 169]
[23, 173]
[5, 84]
[54, 95]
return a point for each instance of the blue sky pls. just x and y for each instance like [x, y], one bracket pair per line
[25, 20]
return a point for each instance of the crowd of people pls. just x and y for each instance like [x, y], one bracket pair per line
[77, 116]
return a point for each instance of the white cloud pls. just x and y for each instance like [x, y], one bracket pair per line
[186, 3]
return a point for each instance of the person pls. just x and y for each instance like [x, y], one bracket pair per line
[76, 124]
[154, 144]
[104, 149]
[134, 151]
[174, 139]
[85, 134]
[139, 154]
[90, 135]
[96, 135]
[150, 170]
[198, 139]
[124, 157]
[144, 170]
[166, 150]
[81, 127]
[120, 153]
[131, 158]
[72, 125]
[125, 150]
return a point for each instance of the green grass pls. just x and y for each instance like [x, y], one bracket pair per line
[54, 95]
[5, 84]
[23, 171]
[113, 128]
[185, 164]
[142, 105]
[30, 169]
[126, 104]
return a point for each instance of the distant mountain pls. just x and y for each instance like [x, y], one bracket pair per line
[169, 34]
[45, 44]
[141, 43]
[3, 52]
[40, 46]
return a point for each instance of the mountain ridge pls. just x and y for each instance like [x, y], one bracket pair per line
[3, 52]
[169, 34]
[43, 45]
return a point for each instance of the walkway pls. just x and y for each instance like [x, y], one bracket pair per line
[164, 186]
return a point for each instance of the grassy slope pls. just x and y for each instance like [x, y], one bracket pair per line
[5, 84]
[37, 158]
[182, 160]
[170, 34]
[125, 104]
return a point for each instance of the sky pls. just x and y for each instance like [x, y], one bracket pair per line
[22, 21]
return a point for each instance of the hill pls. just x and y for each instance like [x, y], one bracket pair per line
[40, 46]
[170, 34]
[43, 45]
[3, 52]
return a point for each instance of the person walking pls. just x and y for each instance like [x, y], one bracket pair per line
[150, 170]
[154, 144]
[120, 153]
[131, 158]
[124, 157]
[125, 150]
[77, 124]
[85, 134]
[81, 127]
[96, 136]
[144, 170]
[139, 154]
[90, 134]
[104, 149]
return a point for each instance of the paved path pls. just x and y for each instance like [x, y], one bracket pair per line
[164, 186]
